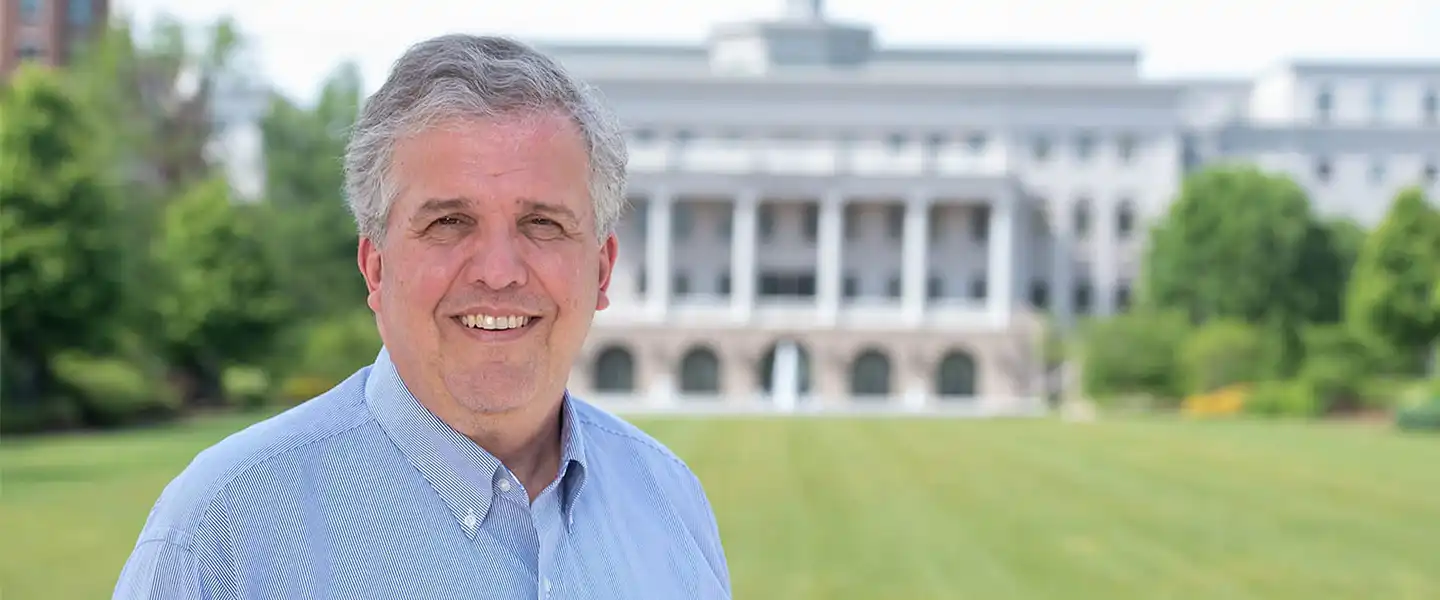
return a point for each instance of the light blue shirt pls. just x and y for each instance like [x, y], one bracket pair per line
[363, 493]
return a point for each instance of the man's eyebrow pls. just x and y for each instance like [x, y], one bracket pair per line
[551, 209]
[434, 205]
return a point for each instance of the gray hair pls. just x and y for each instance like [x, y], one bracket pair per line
[467, 76]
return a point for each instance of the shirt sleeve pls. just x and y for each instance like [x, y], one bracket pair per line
[160, 570]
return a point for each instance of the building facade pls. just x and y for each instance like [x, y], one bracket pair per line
[819, 222]
[47, 31]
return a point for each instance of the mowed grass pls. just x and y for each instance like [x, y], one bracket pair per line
[902, 508]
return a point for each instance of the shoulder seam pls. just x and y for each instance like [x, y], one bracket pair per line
[207, 500]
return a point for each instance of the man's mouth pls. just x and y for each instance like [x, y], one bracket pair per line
[496, 322]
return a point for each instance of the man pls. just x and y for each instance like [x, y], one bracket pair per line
[486, 184]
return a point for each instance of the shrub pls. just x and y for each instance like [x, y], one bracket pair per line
[1221, 354]
[111, 392]
[1224, 402]
[1422, 417]
[301, 388]
[1337, 366]
[1291, 399]
[246, 387]
[1134, 355]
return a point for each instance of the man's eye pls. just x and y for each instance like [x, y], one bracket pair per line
[447, 221]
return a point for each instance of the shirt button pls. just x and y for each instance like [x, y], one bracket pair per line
[547, 585]
[504, 485]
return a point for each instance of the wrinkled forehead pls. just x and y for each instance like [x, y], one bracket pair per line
[514, 160]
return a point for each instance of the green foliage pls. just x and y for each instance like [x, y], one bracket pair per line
[1134, 354]
[246, 387]
[1287, 399]
[1392, 297]
[334, 348]
[1337, 366]
[112, 392]
[1420, 417]
[222, 303]
[1222, 353]
[59, 273]
[303, 148]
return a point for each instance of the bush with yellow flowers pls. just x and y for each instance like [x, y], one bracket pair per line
[1223, 402]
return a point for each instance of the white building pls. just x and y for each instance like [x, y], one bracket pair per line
[894, 225]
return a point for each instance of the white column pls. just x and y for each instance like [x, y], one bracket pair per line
[657, 252]
[915, 262]
[1000, 255]
[829, 258]
[742, 255]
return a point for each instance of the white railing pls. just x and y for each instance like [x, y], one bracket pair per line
[798, 158]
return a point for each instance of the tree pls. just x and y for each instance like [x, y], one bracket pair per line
[1134, 354]
[222, 304]
[1241, 244]
[1392, 297]
[60, 283]
[303, 150]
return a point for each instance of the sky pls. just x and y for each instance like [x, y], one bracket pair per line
[297, 42]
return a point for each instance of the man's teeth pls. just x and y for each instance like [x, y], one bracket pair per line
[494, 322]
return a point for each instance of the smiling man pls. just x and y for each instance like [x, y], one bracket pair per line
[486, 184]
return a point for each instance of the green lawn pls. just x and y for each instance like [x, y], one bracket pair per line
[894, 508]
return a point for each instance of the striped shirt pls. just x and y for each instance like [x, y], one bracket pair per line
[363, 493]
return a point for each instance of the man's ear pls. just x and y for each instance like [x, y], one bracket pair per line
[607, 266]
[367, 257]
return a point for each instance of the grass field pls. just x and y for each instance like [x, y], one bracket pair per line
[896, 508]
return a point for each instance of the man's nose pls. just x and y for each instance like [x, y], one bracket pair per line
[497, 259]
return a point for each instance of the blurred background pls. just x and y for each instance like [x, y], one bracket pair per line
[1037, 299]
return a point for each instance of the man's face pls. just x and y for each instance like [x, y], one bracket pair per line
[490, 272]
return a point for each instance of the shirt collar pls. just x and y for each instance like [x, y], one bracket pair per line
[461, 472]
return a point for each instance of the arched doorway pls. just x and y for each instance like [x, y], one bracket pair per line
[956, 376]
[870, 375]
[785, 371]
[614, 370]
[700, 372]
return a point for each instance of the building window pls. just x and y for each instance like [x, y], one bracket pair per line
[1083, 294]
[1124, 218]
[1430, 108]
[1323, 170]
[1125, 148]
[852, 222]
[978, 287]
[767, 222]
[812, 222]
[896, 216]
[1377, 171]
[788, 284]
[976, 142]
[1431, 172]
[934, 288]
[852, 286]
[640, 280]
[1081, 216]
[1377, 102]
[79, 13]
[1041, 149]
[29, 11]
[980, 224]
[1122, 296]
[682, 220]
[682, 284]
[722, 284]
[892, 288]
[896, 141]
[1324, 104]
[1191, 159]
[1039, 294]
[29, 51]
[1085, 146]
